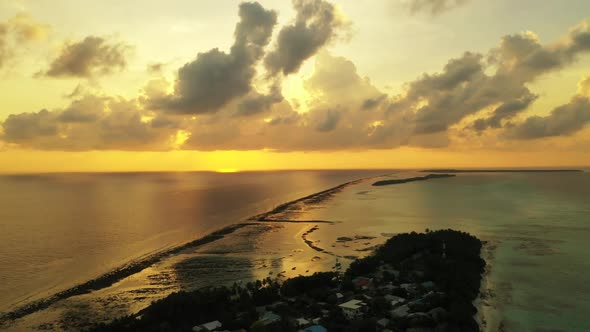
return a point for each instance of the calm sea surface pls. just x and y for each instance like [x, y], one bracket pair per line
[58, 230]
[537, 227]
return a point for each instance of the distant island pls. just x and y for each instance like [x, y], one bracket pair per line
[418, 178]
[502, 171]
[413, 282]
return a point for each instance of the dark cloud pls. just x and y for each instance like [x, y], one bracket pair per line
[563, 120]
[506, 111]
[334, 121]
[578, 39]
[215, 78]
[315, 25]
[461, 89]
[475, 82]
[22, 127]
[525, 58]
[434, 7]
[208, 83]
[371, 103]
[89, 57]
[330, 121]
[259, 103]
[162, 121]
[215, 105]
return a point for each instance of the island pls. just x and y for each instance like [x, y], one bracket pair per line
[418, 178]
[503, 171]
[413, 282]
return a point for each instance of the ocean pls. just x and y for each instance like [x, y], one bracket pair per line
[59, 230]
[536, 226]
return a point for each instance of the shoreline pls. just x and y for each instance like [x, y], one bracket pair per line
[411, 278]
[414, 179]
[503, 171]
[138, 265]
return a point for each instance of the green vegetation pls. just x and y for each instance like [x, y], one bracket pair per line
[458, 274]
[437, 273]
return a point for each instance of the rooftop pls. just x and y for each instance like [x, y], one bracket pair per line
[352, 304]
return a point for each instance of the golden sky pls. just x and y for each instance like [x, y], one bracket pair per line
[303, 84]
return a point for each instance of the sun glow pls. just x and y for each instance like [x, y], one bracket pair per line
[227, 170]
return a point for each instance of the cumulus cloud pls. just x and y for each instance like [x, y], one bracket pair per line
[18, 31]
[498, 80]
[371, 103]
[89, 123]
[563, 120]
[335, 120]
[463, 88]
[330, 121]
[258, 103]
[29, 126]
[336, 80]
[316, 23]
[506, 110]
[434, 7]
[89, 57]
[215, 78]
[220, 103]
[525, 58]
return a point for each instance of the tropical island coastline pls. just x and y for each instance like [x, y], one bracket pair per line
[280, 214]
[284, 213]
[503, 171]
[413, 179]
[413, 282]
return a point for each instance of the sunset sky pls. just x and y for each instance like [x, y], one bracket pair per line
[304, 84]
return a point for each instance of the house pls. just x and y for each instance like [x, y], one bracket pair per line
[394, 300]
[301, 322]
[383, 322]
[352, 309]
[211, 326]
[316, 328]
[388, 287]
[400, 312]
[362, 282]
[419, 319]
[269, 317]
[410, 288]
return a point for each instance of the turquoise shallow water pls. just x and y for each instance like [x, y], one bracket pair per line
[537, 227]
[71, 227]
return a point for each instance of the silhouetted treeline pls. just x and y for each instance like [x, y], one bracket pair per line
[450, 259]
[457, 273]
[414, 179]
